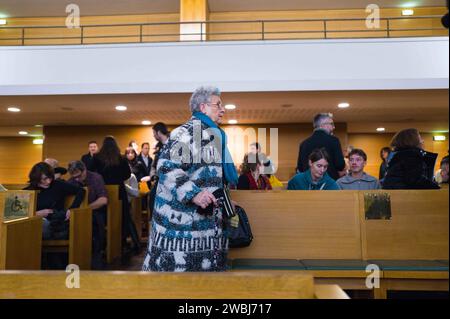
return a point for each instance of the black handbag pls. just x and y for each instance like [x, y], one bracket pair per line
[240, 236]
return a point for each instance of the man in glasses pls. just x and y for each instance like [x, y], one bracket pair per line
[97, 199]
[322, 137]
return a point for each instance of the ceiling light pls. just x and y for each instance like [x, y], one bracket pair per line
[38, 125]
[343, 105]
[38, 141]
[230, 106]
[381, 129]
[407, 12]
[23, 133]
[146, 122]
[232, 122]
[13, 109]
[2, 21]
[121, 108]
[439, 138]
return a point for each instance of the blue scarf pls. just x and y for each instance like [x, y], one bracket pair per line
[229, 170]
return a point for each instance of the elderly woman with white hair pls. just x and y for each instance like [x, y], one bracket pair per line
[185, 235]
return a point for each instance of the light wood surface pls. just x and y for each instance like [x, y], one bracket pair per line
[136, 214]
[301, 224]
[18, 155]
[20, 244]
[329, 292]
[113, 224]
[418, 228]
[139, 285]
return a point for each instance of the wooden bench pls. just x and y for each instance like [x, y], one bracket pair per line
[79, 244]
[113, 224]
[140, 285]
[20, 237]
[328, 235]
[136, 214]
[21, 244]
[409, 247]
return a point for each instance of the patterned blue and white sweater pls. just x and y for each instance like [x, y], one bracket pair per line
[182, 239]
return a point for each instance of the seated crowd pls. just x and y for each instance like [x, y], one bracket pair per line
[321, 166]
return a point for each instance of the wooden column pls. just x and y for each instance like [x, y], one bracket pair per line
[193, 11]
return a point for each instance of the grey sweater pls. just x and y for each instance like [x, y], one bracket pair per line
[366, 182]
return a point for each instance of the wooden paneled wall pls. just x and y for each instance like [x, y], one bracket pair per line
[17, 156]
[170, 32]
[69, 143]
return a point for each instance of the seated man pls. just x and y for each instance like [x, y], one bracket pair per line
[441, 176]
[97, 199]
[357, 179]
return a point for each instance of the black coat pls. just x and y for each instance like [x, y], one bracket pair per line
[320, 139]
[88, 160]
[147, 168]
[113, 175]
[408, 169]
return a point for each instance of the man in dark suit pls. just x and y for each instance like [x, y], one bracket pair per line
[146, 160]
[88, 158]
[322, 138]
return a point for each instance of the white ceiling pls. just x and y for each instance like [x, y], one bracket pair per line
[370, 107]
[56, 8]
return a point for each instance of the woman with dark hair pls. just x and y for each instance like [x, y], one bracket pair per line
[51, 198]
[137, 168]
[251, 174]
[384, 155]
[115, 170]
[407, 167]
[316, 177]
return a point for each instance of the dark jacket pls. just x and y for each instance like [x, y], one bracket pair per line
[408, 169]
[54, 197]
[321, 139]
[113, 175]
[383, 170]
[147, 167]
[88, 160]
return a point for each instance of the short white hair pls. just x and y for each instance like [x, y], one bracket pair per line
[202, 95]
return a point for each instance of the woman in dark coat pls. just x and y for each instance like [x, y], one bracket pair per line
[407, 167]
[115, 170]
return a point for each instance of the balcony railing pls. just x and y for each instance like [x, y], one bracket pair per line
[418, 26]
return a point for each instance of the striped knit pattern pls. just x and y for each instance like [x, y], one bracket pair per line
[180, 238]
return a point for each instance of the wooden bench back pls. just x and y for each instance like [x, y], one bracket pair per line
[123, 285]
[113, 224]
[418, 228]
[20, 244]
[301, 224]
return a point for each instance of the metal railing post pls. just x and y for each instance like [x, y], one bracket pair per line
[23, 36]
[388, 26]
[325, 28]
[263, 27]
[82, 35]
[140, 33]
